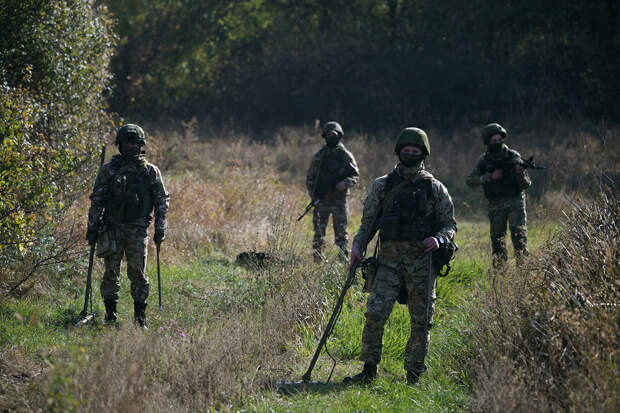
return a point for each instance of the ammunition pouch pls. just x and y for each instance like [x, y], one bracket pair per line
[106, 241]
[369, 271]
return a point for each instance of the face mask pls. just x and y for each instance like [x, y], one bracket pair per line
[130, 152]
[332, 141]
[494, 147]
[410, 160]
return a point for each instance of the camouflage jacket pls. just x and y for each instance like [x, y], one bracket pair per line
[481, 175]
[440, 204]
[321, 175]
[102, 191]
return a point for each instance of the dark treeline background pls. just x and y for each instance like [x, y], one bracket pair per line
[365, 62]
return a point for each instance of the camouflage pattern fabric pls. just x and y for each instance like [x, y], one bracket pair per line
[131, 242]
[403, 263]
[316, 166]
[339, 212]
[131, 237]
[504, 211]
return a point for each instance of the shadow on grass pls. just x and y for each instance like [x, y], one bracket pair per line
[290, 388]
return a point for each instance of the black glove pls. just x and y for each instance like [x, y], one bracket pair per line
[159, 236]
[91, 236]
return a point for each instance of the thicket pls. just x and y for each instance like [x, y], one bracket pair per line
[367, 63]
[546, 336]
[54, 57]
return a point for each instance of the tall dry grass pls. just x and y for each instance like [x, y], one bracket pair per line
[546, 336]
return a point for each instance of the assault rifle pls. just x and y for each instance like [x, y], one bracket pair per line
[311, 204]
[529, 163]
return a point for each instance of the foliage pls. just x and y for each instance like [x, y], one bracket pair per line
[366, 62]
[53, 73]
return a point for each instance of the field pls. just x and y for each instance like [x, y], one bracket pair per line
[228, 334]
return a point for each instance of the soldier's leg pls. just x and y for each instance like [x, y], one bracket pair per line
[378, 308]
[518, 229]
[110, 284]
[340, 220]
[421, 304]
[498, 218]
[319, 221]
[136, 266]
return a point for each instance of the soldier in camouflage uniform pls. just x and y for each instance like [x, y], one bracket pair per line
[414, 215]
[503, 181]
[126, 191]
[332, 172]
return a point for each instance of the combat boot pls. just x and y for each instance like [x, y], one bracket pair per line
[367, 375]
[139, 310]
[412, 377]
[110, 310]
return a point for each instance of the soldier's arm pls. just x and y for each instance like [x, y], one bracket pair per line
[98, 198]
[312, 174]
[372, 205]
[352, 171]
[477, 177]
[161, 200]
[523, 180]
[444, 212]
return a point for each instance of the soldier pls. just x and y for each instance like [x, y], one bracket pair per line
[126, 191]
[503, 181]
[332, 172]
[414, 215]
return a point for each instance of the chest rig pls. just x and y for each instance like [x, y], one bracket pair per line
[331, 171]
[408, 214]
[129, 195]
[506, 186]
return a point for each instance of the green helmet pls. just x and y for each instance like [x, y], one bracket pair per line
[332, 126]
[412, 136]
[490, 130]
[130, 133]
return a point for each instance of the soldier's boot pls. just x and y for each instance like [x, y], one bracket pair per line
[318, 256]
[367, 375]
[519, 242]
[139, 314]
[412, 377]
[110, 310]
[498, 245]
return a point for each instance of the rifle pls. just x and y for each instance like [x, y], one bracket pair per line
[310, 205]
[529, 163]
[88, 294]
[157, 245]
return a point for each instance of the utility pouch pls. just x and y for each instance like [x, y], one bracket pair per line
[369, 271]
[106, 241]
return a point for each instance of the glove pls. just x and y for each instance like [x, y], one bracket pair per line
[159, 236]
[91, 236]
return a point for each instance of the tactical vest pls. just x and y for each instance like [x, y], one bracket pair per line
[407, 215]
[129, 195]
[331, 172]
[505, 187]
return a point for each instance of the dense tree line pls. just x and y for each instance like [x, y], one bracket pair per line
[54, 57]
[366, 62]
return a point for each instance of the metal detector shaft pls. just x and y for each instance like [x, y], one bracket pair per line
[157, 245]
[88, 280]
[330, 324]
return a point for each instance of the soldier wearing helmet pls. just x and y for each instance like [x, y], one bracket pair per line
[414, 215]
[332, 172]
[503, 181]
[127, 191]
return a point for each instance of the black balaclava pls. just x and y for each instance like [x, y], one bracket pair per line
[410, 160]
[130, 153]
[332, 140]
[495, 147]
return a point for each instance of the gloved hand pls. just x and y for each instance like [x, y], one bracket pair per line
[91, 236]
[159, 236]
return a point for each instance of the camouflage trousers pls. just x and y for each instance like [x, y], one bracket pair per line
[131, 242]
[414, 275]
[509, 211]
[339, 212]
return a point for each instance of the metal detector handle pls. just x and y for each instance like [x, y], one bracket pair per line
[88, 280]
[330, 324]
[157, 246]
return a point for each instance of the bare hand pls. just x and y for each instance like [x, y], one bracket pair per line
[430, 243]
[341, 186]
[356, 255]
[519, 170]
[497, 174]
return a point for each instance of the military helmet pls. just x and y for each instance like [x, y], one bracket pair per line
[332, 126]
[490, 130]
[130, 133]
[412, 136]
